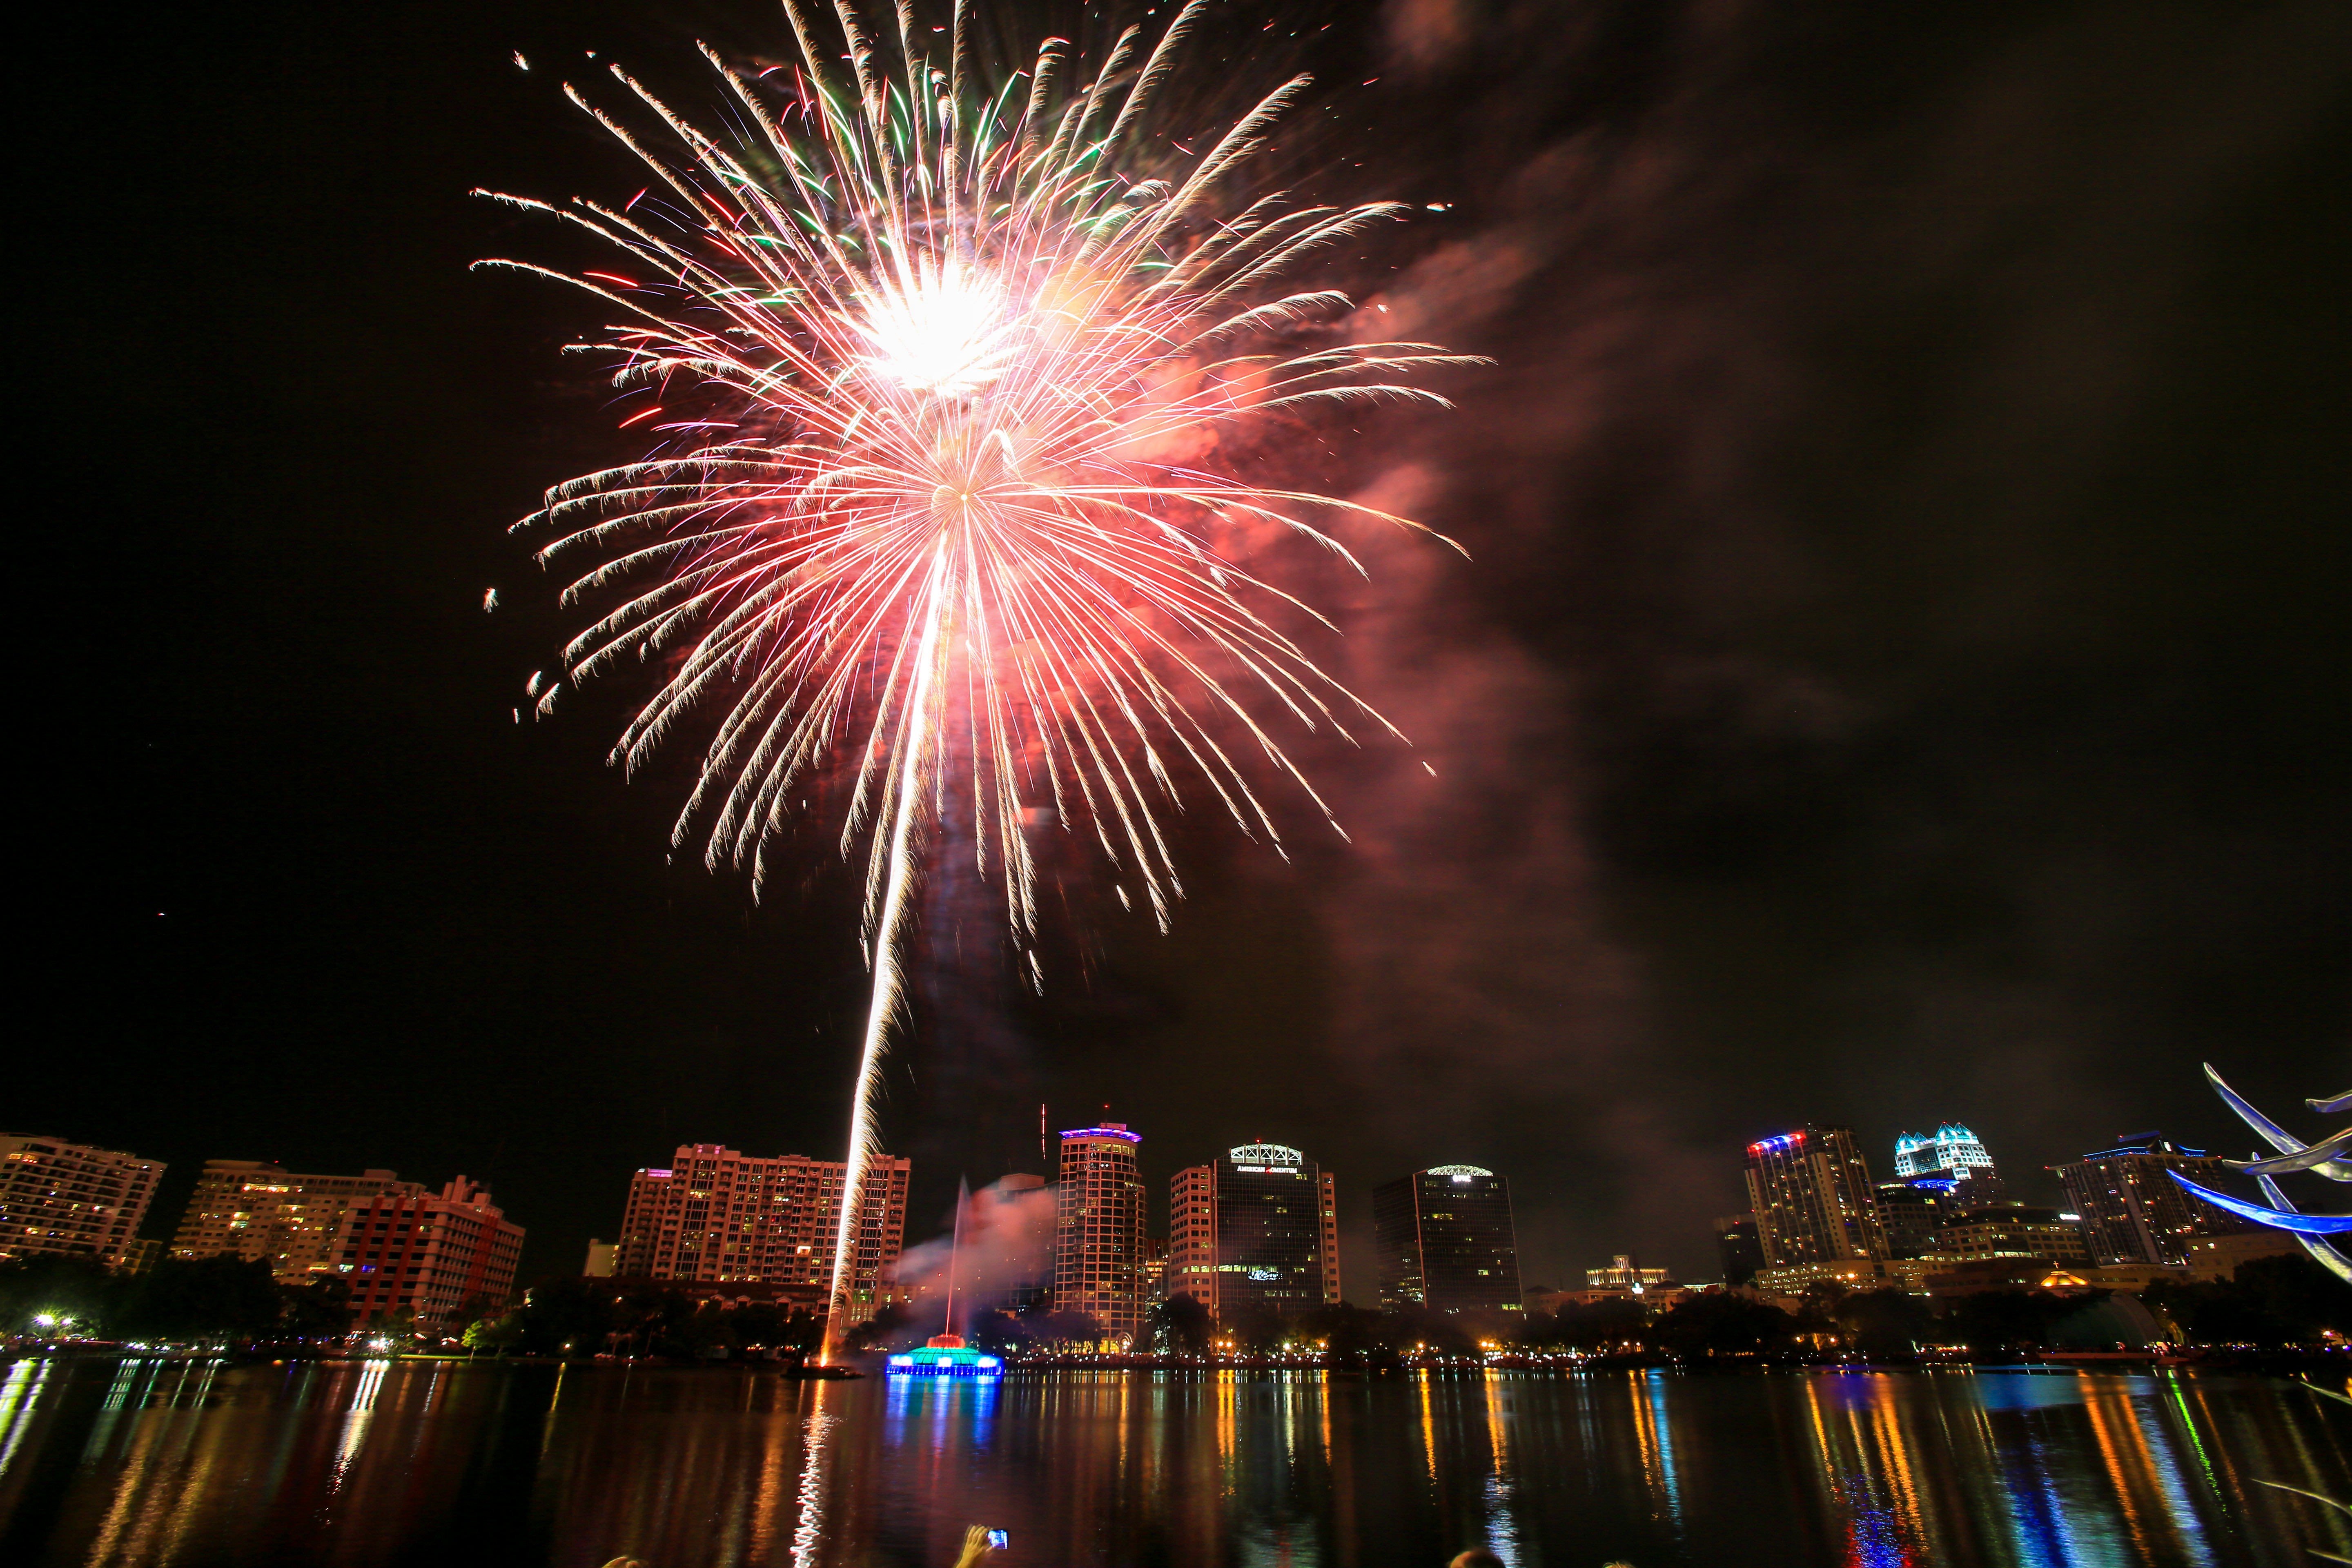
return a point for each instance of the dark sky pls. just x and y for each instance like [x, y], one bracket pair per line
[1901, 672]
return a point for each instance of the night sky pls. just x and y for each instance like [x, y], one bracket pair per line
[1901, 672]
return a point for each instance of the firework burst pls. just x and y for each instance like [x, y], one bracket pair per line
[931, 368]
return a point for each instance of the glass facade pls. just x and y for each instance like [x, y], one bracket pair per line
[1256, 1231]
[1446, 1241]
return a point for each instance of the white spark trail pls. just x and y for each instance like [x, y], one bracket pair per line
[937, 380]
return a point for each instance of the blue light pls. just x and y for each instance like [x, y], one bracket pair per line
[945, 1362]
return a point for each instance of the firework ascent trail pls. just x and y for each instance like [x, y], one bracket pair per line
[933, 369]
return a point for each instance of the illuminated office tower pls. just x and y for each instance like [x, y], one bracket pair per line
[254, 1210]
[1256, 1230]
[1099, 1231]
[70, 1199]
[2131, 1209]
[1446, 1241]
[1816, 1208]
[719, 1214]
[1954, 1154]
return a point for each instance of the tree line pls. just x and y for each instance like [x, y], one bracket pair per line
[2271, 1302]
[220, 1300]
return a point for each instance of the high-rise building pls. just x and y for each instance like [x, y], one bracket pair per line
[2133, 1211]
[427, 1254]
[71, 1199]
[1736, 1247]
[258, 1211]
[1446, 1241]
[1814, 1204]
[1954, 1155]
[718, 1214]
[1256, 1230]
[1098, 1230]
[1913, 1211]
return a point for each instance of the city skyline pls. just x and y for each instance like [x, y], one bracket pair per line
[1793, 1172]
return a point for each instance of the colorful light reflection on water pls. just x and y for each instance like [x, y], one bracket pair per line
[197, 1464]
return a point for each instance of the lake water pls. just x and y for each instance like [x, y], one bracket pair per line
[417, 1463]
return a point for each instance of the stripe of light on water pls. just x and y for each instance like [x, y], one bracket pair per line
[1893, 1443]
[2173, 1382]
[554, 1398]
[18, 1394]
[808, 1530]
[1976, 1466]
[768, 1498]
[356, 1417]
[2162, 1455]
[1428, 1428]
[1287, 1403]
[2055, 1533]
[210, 1442]
[2112, 1456]
[1502, 1489]
[1662, 1426]
[160, 1488]
[1227, 1387]
[126, 1375]
[1323, 1404]
[121, 1395]
[1877, 1489]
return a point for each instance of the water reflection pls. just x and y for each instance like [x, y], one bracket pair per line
[357, 1416]
[1651, 1420]
[202, 1464]
[18, 1395]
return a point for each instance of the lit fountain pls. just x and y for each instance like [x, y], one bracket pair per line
[945, 1354]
